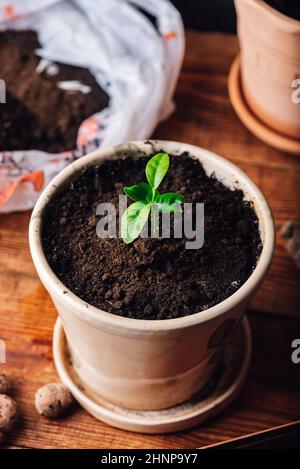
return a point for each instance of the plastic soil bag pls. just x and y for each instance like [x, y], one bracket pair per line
[134, 61]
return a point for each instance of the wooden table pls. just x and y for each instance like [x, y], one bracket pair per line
[272, 394]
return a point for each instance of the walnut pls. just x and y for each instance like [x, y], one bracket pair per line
[8, 410]
[53, 400]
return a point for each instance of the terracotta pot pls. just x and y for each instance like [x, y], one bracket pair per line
[270, 62]
[144, 364]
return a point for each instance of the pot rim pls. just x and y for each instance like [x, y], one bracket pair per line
[96, 316]
[284, 21]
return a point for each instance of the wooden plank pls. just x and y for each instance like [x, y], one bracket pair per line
[204, 117]
[271, 397]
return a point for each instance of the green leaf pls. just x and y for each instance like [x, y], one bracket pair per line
[147, 197]
[169, 202]
[140, 192]
[157, 168]
[133, 221]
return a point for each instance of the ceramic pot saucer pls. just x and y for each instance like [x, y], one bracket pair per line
[251, 121]
[217, 395]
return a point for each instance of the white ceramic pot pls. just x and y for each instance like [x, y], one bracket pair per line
[144, 364]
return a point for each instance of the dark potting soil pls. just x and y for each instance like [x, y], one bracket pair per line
[38, 114]
[289, 8]
[150, 278]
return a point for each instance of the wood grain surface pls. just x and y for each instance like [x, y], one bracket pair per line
[271, 395]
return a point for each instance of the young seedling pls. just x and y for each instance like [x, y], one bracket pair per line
[147, 198]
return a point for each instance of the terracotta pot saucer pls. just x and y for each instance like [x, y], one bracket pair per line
[217, 395]
[251, 121]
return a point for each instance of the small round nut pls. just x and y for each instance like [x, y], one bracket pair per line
[53, 400]
[5, 386]
[8, 410]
